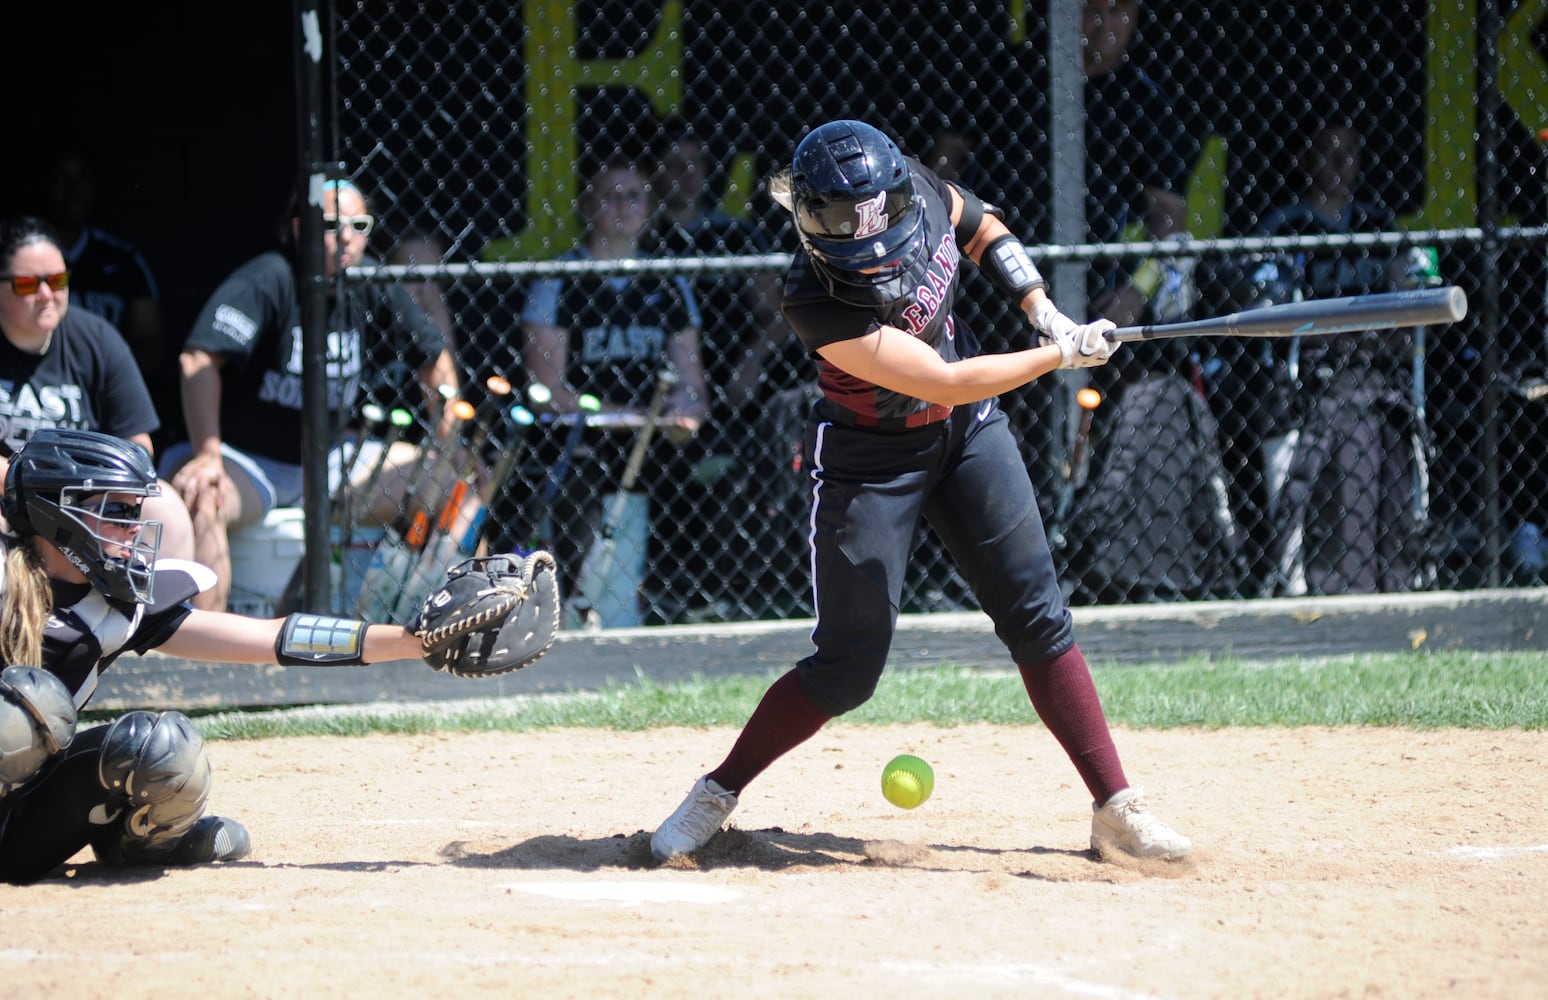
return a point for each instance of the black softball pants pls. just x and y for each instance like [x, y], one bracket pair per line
[869, 489]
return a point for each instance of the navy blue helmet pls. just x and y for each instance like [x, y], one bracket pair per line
[856, 211]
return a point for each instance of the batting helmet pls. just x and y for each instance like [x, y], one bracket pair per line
[57, 488]
[856, 212]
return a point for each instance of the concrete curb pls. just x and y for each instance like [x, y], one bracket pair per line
[1281, 628]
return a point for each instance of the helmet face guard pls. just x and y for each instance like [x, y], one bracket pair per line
[856, 212]
[81, 491]
[114, 548]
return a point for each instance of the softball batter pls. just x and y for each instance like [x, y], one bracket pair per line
[909, 427]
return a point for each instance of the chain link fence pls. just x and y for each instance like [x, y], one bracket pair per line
[576, 189]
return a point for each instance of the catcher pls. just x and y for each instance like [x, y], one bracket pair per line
[80, 585]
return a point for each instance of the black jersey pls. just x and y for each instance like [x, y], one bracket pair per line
[1136, 138]
[87, 379]
[924, 311]
[1338, 271]
[1342, 270]
[725, 299]
[86, 632]
[619, 327]
[106, 274]
[253, 321]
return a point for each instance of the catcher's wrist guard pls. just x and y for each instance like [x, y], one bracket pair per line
[494, 614]
[319, 641]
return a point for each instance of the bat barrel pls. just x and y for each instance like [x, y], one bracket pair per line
[1318, 317]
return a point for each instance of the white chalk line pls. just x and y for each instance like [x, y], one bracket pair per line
[461, 824]
[995, 973]
[1492, 853]
[626, 892]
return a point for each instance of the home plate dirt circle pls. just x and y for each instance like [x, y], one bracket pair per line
[1350, 861]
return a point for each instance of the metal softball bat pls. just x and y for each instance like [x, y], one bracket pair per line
[1316, 317]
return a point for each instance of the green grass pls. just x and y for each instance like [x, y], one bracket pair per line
[1420, 690]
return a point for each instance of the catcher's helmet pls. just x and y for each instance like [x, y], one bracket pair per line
[856, 212]
[57, 488]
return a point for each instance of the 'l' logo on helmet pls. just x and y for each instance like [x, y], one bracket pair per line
[872, 219]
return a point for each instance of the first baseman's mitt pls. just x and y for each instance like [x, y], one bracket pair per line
[494, 614]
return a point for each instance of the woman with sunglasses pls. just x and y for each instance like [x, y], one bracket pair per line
[241, 387]
[82, 585]
[63, 367]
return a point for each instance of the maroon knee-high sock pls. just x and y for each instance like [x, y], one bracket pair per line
[1067, 702]
[783, 720]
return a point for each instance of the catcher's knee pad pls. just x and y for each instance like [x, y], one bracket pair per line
[157, 763]
[37, 720]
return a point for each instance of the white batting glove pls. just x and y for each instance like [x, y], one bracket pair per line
[1082, 346]
[1087, 346]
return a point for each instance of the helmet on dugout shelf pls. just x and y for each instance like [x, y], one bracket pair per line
[57, 488]
[1253, 281]
[856, 212]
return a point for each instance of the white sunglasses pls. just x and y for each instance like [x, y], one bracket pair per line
[358, 224]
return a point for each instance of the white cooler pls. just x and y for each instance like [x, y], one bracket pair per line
[264, 556]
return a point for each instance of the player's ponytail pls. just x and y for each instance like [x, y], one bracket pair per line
[26, 600]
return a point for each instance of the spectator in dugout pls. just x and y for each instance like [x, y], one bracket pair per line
[1348, 475]
[608, 337]
[63, 367]
[1139, 149]
[241, 388]
[750, 356]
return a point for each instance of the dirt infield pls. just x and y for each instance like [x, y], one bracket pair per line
[1346, 862]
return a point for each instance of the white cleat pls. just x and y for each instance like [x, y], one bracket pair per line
[1126, 823]
[701, 815]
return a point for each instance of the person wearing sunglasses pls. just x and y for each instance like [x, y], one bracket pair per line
[64, 367]
[82, 584]
[241, 372]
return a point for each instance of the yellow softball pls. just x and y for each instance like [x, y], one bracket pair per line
[907, 781]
